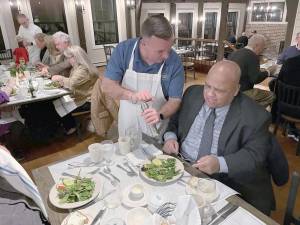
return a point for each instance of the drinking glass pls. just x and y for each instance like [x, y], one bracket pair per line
[112, 202]
[108, 149]
[135, 135]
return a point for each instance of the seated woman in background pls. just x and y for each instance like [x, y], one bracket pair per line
[47, 46]
[81, 81]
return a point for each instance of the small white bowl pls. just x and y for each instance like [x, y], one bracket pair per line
[136, 192]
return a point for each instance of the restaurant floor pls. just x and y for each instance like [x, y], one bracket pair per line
[63, 148]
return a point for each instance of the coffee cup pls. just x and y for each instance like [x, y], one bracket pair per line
[124, 145]
[95, 152]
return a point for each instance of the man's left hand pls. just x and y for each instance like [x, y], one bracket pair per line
[151, 116]
[208, 164]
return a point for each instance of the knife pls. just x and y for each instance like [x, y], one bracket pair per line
[224, 215]
[223, 209]
[98, 216]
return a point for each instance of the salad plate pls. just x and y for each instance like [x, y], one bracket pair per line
[68, 194]
[163, 169]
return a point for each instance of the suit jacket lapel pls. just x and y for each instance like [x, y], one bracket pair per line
[231, 121]
[193, 111]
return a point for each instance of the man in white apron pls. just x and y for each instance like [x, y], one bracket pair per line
[147, 70]
[27, 31]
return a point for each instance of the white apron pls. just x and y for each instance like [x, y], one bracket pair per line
[129, 113]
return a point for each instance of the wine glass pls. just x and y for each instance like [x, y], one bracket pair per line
[112, 202]
[108, 149]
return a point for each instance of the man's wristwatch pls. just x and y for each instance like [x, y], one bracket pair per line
[161, 116]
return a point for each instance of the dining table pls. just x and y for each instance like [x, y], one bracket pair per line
[47, 176]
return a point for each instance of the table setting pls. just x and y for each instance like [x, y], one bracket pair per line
[141, 186]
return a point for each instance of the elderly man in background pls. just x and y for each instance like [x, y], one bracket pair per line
[62, 41]
[225, 134]
[27, 30]
[146, 69]
[248, 60]
[291, 51]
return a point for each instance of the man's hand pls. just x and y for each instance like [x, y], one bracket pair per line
[58, 78]
[208, 164]
[171, 146]
[44, 70]
[272, 69]
[141, 96]
[151, 116]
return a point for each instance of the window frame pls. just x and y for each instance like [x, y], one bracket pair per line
[267, 22]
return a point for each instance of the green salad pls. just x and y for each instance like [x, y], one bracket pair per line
[161, 169]
[53, 85]
[75, 190]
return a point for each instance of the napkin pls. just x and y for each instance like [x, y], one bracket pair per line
[186, 211]
[17, 177]
[138, 156]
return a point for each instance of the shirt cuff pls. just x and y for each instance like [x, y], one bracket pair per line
[223, 165]
[170, 135]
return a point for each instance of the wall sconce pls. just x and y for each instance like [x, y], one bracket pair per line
[130, 4]
[80, 4]
[15, 4]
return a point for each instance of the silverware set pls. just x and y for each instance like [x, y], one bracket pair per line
[222, 214]
[166, 209]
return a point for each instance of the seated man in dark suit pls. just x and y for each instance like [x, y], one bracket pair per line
[224, 134]
[248, 60]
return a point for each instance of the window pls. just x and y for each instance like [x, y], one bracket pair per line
[185, 28]
[105, 21]
[267, 12]
[210, 25]
[153, 14]
[2, 45]
[49, 15]
[232, 22]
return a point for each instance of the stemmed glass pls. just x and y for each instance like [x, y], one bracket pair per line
[108, 149]
[112, 202]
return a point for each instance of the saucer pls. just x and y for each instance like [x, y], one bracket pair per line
[127, 201]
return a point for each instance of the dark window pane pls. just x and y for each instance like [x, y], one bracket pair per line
[49, 15]
[152, 14]
[185, 28]
[275, 11]
[210, 25]
[232, 22]
[2, 45]
[105, 21]
[259, 12]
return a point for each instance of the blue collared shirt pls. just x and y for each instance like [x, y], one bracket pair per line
[190, 146]
[172, 79]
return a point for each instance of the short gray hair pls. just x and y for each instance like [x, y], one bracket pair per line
[61, 37]
[157, 26]
[257, 39]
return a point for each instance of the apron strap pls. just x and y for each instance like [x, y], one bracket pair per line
[155, 84]
[130, 66]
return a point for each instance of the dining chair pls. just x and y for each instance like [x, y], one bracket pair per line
[289, 218]
[108, 50]
[288, 102]
[6, 55]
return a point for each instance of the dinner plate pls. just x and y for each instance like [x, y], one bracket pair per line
[127, 201]
[80, 217]
[51, 91]
[53, 197]
[138, 216]
[209, 197]
[178, 166]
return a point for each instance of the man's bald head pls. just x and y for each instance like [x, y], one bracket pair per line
[222, 84]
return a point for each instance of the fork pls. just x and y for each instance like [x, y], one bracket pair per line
[166, 209]
[129, 173]
[94, 171]
[69, 175]
[112, 181]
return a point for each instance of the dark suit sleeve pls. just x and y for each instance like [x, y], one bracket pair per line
[253, 153]
[255, 75]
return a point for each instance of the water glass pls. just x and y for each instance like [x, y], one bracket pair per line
[108, 149]
[135, 135]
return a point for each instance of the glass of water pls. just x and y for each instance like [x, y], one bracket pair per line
[112, 202]
[108, 150]
[135, 134]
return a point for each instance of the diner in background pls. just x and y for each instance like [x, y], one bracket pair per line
[242, 40]
[146, 69]
[27, 30]
[291, 51]
[47, 46]
[21, 52]
[62, 65]
[224, 135]
[248, 60]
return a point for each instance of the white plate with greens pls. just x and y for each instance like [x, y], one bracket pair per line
[163, 169]
[70, 193]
